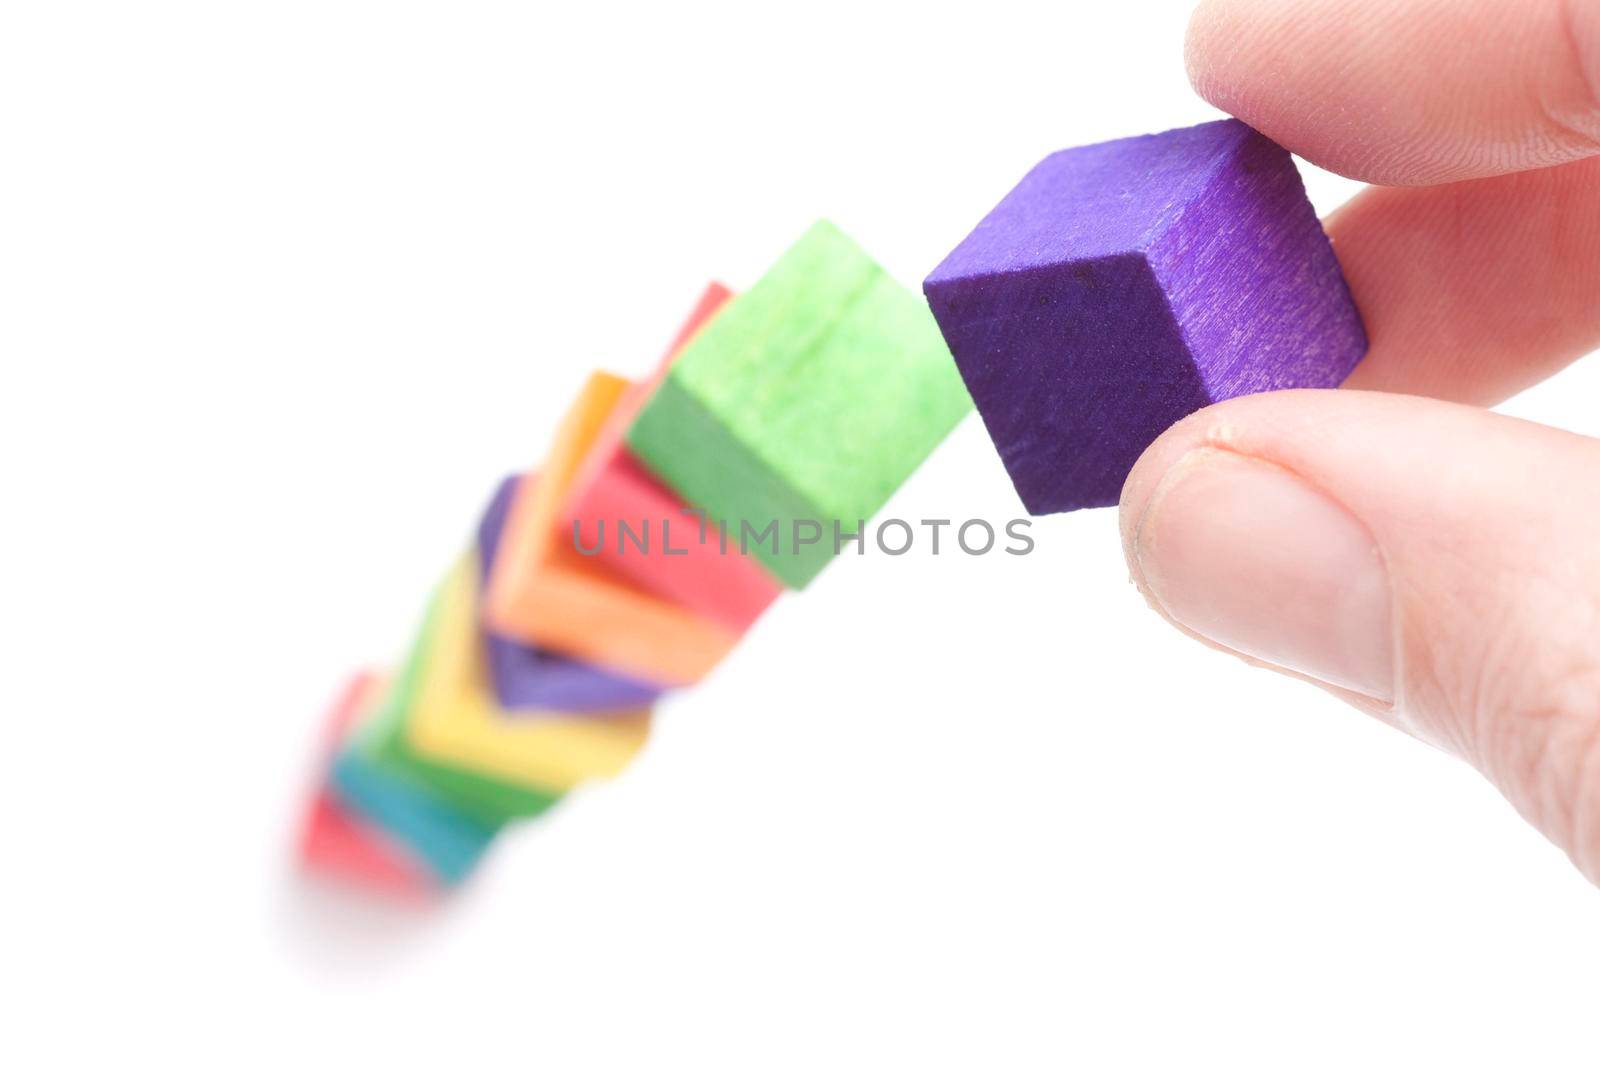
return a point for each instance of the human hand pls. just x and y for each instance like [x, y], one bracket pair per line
[1427, 561]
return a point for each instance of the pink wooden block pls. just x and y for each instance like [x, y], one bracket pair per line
[612, 487]
[334, 840]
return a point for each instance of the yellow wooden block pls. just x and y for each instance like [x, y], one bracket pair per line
[544, 591]
[457, 721]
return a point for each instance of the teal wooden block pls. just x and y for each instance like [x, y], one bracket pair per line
[806, 403]
[447, 839]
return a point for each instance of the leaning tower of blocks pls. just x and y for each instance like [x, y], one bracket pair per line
[1118, 288]
[666, 516]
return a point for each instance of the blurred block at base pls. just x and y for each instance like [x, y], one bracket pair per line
[675, 558]
[334, 840]
[544, 591]
[442, 724]
[804, 405]
[445, 839]
[528, 677]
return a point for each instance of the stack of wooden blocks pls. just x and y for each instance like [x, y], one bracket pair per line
[666, 517]
[1118, 288]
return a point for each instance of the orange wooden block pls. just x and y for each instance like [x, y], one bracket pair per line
[543, 590]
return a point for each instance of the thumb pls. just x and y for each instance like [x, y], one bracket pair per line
[1436, 565]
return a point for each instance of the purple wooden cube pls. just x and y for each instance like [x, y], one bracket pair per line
[531, 678]
[1125, 285]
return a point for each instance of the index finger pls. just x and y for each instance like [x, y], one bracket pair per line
[1407, 92]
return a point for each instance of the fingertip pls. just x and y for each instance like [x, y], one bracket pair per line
[1205, 427]
[1475, 290]
[1211, 52]
[1413, 93]
[1197, 44]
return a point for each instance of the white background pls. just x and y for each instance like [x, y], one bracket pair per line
[285, 287]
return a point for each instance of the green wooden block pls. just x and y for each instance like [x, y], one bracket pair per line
[809, 399]
[383, 739]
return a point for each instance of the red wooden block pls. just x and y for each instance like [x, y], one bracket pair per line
[333, 839]
[681, 558]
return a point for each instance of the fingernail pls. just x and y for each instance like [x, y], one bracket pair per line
[1253, 557]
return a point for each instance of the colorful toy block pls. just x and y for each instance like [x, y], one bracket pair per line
[804, 405]
[386, 743]
[528, 677]
[1124, 285]
[544, 591]
[444, 726]
[613, 496]
[441, 837]
[334, 840]
[447, 839]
